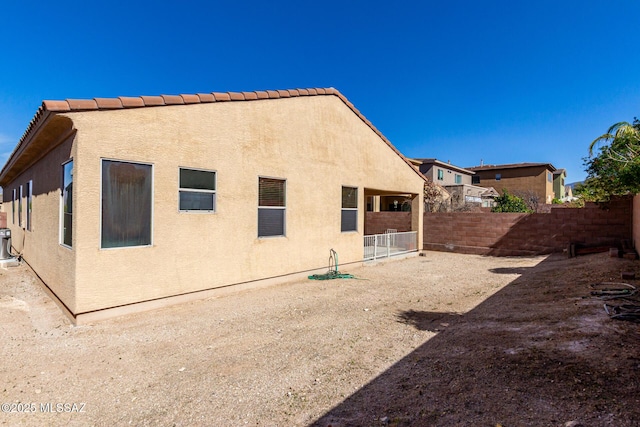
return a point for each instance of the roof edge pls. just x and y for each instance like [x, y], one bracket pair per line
[97, 104]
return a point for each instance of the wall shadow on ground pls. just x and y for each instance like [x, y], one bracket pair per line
[535, 353]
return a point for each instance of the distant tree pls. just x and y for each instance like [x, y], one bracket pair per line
[615, 170]
[530, 198]
[510, 203]
[434, 199]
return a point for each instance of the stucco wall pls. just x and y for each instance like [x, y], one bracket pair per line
[40, 246]
[316, 143]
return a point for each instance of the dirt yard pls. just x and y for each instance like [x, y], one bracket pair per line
[439, 340]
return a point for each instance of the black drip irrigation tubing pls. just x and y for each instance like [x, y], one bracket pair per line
[616, 290]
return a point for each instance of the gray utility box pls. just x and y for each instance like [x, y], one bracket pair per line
[5, 244]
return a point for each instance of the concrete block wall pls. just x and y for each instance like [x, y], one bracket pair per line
[378, 222]
[504, 234]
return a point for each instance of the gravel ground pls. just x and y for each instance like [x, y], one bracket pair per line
[437, 340]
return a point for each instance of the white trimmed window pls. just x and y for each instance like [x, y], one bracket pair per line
[271, 207]
[127, 200]
[66, 204]
[20, 206]
[13, 205]
[349, 216]
[29, 201]
[197, 190]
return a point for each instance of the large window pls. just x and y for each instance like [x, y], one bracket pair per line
[271, 207]
[197, 190]
[29, 201]
[67, 203]
[13, 205]
[126, 204]
[20, 206]
[349, 217]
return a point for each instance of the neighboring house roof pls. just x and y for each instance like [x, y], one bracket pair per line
[490, 192]
[75, 105]
[560, 172]
[511, 166]
[444, 165]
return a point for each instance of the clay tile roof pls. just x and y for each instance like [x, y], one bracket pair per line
[82, 104]
[221, 96]
[131, 102]
[172, 99]
[108, 103]
[206, 97]
[236, 96]
[152, 100]
[190, 99]
[71, 105]
[55, 105]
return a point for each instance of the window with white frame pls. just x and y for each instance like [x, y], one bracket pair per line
[20, 206]
[127, 200]
[349, 216]
[66, 202]
[13, 205]
[197, 190]
[29, 201]
[271, 207]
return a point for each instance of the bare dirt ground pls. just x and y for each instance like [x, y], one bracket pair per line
[439, 340]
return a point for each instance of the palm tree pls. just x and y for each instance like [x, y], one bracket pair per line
[624, 140]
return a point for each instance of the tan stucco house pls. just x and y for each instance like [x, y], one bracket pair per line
[523, 179]
[130, 203]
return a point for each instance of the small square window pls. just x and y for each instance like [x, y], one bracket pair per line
[197, 190]
[498, 177]
[475, 179]
[458, 179]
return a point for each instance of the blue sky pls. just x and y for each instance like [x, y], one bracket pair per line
[465, 81]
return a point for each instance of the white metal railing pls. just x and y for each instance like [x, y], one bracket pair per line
[389, 244]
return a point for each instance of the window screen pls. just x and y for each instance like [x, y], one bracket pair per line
[271, 207]
[349, 216]
[126, 204]
[197, 190]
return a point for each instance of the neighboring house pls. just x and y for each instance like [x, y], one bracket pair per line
[124, 204]
[559, 191]
[522, 179]
[456, 180]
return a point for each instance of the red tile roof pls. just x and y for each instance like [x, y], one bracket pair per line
[123, 102]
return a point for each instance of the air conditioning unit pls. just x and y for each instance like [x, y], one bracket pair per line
[5, 243]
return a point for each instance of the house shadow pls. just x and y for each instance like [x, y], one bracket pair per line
[535, 353]
[428, 320]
